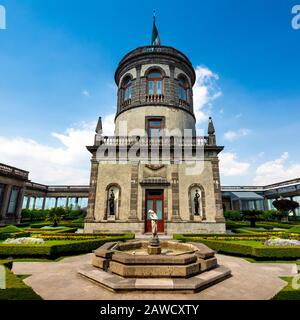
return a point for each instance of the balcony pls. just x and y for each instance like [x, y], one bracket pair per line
[126, 103]
[159, 98]
[146, 141]
[183, 103]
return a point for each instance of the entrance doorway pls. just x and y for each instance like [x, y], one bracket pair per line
[155, 202]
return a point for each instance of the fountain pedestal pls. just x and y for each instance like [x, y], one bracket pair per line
[154, 247]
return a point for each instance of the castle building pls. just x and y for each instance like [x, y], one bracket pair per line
[155, 160]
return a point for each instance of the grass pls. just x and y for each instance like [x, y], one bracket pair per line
[253, 260]
[288, 293]
[16, 289]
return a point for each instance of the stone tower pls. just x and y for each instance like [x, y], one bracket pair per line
[155, 160]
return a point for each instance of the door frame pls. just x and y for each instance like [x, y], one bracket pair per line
[162, 198]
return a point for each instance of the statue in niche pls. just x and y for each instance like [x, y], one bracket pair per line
[111, 202]
[196, 203]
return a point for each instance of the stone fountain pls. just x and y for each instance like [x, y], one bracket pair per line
[155, 265]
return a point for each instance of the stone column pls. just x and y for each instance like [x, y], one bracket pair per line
[134, 193]
[92, 193]
[175, 197]
[34, 203]
[28, 202]
[67, 202]
[20, 205]
[44, 203]
[217, 190]
[5, 202]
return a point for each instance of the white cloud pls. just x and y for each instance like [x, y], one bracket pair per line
[231, 166]
[234, 135]
[86, 93]
[66, 164]
[108, 123]
[276, 171]
[205, 91]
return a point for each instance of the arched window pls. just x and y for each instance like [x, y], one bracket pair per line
[155, 83]
[183, 89]
[127, 89]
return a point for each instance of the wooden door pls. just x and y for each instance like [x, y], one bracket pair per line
[155, 202]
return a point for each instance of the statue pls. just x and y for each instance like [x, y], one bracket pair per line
[154, 219]
[111, 201]
[196, 203]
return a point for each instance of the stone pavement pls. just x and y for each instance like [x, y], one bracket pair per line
[60, 281]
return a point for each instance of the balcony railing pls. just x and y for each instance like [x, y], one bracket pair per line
[158, 98]
[126, 103]
[146, 141]
[183, 103]
[14, 172]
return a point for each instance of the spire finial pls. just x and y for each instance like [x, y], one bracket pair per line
[155, 35]
[211, 128]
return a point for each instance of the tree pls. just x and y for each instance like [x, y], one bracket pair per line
[252, 216]
[55, 215]
[285, 207]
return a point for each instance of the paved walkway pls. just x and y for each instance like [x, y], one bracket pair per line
[60, 281]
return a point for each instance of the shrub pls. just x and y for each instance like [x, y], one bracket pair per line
[10, 229]
[269, 215]
[233, 215]
[255, 249]
[54, 249]
[4, 236]
[295, 229]
[252, 216]
[35, 214]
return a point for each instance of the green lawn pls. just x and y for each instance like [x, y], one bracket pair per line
[288, 293]
[16, 289]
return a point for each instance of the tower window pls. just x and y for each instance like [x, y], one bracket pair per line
[155, 127]
[183, 89]
[155, 83]
[127, 89]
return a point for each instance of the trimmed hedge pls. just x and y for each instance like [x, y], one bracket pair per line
[83, 236]
[10, 229]
[295, 229]
[256, 251]
[4, 236]
[54, 249]
[52, 231]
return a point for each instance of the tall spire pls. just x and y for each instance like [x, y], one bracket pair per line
[155, 35]
[211, 132]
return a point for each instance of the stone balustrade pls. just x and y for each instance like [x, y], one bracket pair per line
[199, 141]
[14, 172]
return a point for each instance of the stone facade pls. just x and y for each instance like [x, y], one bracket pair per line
[12, 188]
[165, 184]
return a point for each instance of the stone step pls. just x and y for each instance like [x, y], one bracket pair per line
[118, 284]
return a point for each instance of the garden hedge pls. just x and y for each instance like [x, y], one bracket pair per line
[54, 249]
[248, 250]
[4, 236]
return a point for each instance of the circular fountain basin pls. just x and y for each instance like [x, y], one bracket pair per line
[180, 266]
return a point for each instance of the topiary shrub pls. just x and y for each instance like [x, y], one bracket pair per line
[233, 215]
[10, 229]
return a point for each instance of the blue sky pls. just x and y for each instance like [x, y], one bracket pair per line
[57, 63]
